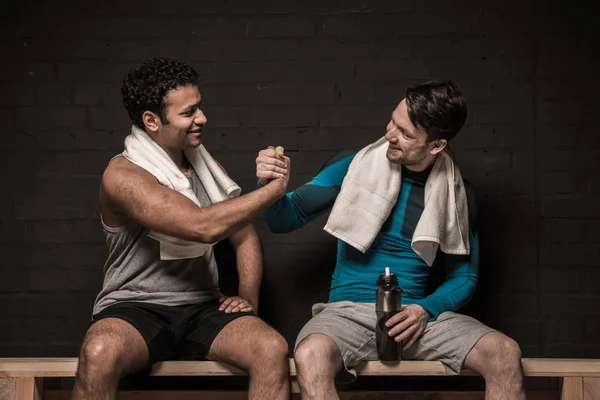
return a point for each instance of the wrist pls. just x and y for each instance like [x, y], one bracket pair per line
[423, 311]
[279, 186]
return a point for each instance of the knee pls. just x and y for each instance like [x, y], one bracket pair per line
[510, 350]
[273, 351]
[95, 356]
[506, 355]
[313, 350]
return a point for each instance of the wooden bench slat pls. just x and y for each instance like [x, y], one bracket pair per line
[38, 367]
[561, 367]
[65, 394]
[66, 367]
[550, 367]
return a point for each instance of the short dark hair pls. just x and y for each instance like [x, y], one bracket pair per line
[145, 87]
[438, 108]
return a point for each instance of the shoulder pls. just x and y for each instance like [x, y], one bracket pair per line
[343, 157]
[121, 176]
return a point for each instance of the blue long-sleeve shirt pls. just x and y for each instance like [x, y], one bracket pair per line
[355, 275]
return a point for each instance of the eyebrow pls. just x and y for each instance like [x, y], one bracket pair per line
[191, 107]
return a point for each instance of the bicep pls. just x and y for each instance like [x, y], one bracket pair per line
[139, 196]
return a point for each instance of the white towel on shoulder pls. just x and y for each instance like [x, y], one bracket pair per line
[143, 151]
[370, 190]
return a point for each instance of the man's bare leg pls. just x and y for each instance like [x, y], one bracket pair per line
[318, 361]
[111, 349]
[249, 343]
[498, 359]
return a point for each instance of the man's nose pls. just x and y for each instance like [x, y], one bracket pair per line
[389, 135]
[200, 119]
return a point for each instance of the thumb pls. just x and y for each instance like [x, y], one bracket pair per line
[280, 151]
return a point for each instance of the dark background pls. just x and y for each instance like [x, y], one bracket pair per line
[316, 76]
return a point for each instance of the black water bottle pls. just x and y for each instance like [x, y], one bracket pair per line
[387, 303]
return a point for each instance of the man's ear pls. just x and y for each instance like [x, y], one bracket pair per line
[151, 121]
[438, 146]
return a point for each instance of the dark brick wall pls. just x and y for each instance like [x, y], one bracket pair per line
[316, 76]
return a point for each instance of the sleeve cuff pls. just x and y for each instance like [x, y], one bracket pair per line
[432, 305]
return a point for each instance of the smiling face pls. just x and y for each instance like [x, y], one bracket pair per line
[184, 119]
[408, 145]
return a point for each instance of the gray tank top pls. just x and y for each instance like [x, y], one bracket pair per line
[134, 272]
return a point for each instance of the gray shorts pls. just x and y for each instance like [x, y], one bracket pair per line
[352, 327]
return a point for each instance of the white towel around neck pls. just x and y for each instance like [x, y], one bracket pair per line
[143, 151]
[370, 190]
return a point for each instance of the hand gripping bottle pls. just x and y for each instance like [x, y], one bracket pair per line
[387, 303]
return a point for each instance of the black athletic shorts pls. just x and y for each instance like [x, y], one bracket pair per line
[173, 332]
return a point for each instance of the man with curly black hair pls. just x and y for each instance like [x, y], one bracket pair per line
[164, 202]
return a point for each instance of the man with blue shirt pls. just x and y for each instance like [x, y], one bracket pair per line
[400, 203]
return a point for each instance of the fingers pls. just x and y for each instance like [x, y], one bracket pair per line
[235, 304]
[266, 176]
[406, 334]
[279, 150]
[225, 302]
[271, 164]
[271, 168]
[396, 318]
[414, 338]
[265, 161]
[405, 327]
[275, 152]
[243, 306]
[270, 171]
[400, 327]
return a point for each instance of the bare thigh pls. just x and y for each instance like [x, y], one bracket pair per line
[244, 340]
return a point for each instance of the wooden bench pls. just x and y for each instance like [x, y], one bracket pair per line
[22, 379]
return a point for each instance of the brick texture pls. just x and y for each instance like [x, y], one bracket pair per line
[316, 77]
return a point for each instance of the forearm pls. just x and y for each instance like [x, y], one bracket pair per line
[454, 294]
[310, 200]
[249, 263]
[282, 216]
[462, 272]
[221, 220]
[297, 208]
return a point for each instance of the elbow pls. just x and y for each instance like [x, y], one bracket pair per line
[471, 286]
[209, 233]
[473, 283]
